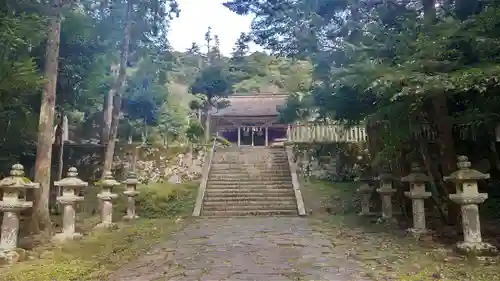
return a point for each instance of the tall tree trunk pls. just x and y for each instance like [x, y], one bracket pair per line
[60, 143]
[116, 93]
[106, 118]
[40, 219]
[207, 123]
[443, 124]
[444, 127]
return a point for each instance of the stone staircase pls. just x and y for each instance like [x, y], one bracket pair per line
[249, 181]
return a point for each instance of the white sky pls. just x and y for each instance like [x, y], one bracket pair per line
[195, 18]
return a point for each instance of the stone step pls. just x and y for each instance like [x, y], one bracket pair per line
[255, 185]
[248, 183]
[261, 207]
[252, 151]
[240, 198]
[244, 164]
[251, 155]
[280, 174]
[226, 171]
[238, 167]
[259, 192]
[249, 213]
[259, 177]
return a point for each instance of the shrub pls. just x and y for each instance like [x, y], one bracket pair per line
[161, 200]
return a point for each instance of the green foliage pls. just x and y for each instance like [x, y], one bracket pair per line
[101, 252]
[386, 62]
[194, 132]
[221, 140]
[212, 82]
[164, 200]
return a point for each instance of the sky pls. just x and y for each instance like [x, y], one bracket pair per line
[195, 18]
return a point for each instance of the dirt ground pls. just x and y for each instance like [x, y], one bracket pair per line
[387, 252]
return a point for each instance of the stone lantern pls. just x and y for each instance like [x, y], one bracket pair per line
[469, 198]
[417, 180]
[131, 192]
[107, 196]
[71, 186]
[386, 192]
[365, 190]
[11, 205]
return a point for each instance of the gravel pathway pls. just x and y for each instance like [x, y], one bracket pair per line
[250, 249]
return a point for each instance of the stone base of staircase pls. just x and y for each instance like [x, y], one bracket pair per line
[249, 182]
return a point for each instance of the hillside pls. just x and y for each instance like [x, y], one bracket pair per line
[257, 72]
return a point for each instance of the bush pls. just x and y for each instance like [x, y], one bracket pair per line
[100, 252]
[161, 200]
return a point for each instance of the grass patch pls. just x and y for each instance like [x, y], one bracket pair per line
[321, 196]
[101, 252]
[386, 252]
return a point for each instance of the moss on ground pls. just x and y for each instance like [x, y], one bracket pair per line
[387, 253]
[99, 253]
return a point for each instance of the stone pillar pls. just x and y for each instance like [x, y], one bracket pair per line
[469, 198]
[107, 196]
[71, 186]
[417, 194]
[267, 136]
[252, 135]
[131, 192]
[11, 206]
[239, 136]
[385, 178]
[365, 190]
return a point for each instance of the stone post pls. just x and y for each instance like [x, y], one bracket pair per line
[107, 196]
[469, 198]
[131, 192]
[71, 186]
[365, 191]
[386, 192]
[11, 206]
[417, 194]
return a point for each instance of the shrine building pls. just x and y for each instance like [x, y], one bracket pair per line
[251, 120]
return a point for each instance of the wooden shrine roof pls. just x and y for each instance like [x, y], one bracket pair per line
[254, 105]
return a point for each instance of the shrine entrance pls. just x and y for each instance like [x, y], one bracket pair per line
[251, 120]
[253, 136]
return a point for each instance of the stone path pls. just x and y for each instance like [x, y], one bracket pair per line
[250, 249]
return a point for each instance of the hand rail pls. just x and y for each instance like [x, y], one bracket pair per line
[204, 179]
[295, 181]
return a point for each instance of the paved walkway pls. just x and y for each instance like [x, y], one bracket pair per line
[250, 249]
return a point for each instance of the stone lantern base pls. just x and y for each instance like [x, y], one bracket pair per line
[386, 220]
[417, 232]
[106, 225]
[129, 218]
[368, 214]
[63, 237]
[477, 249]
[12, 256]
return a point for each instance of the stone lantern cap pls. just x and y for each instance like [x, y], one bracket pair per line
[71, 180]
[131, 183]
[417, 175]
[109, 181]
[107, 184]
[16, 180]
[385, 174]
[131, 179]
[13, 184]
[365, 179]
[465, 173]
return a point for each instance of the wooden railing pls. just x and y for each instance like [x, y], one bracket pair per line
[314, 133]
[329, 133]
